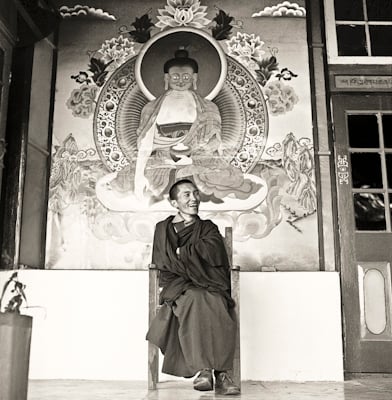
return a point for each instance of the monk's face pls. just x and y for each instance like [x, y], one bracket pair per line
[188, 199]
[180, 78]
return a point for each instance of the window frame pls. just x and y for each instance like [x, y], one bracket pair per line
[332, 43]
[385, 190]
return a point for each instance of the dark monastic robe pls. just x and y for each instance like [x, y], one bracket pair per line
[195, 327]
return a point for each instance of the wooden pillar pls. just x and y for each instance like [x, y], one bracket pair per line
[15, 157]
[323, 149]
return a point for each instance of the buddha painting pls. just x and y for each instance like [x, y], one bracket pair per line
[177, 129]
[178, 133]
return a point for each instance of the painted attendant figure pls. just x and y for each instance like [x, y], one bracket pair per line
[195, 328]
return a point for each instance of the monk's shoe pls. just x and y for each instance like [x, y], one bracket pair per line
[224, 385]
[204, 380]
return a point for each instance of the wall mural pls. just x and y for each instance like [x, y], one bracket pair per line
[124, 130]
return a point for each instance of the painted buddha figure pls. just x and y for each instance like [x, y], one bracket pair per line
[179, 128]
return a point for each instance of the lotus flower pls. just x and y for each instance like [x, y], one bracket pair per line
[246, 48]
[118, 50]
[182, 13]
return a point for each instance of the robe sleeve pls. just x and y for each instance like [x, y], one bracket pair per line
[209, 246]
[148, 117]
[164, 256]
[173, 277]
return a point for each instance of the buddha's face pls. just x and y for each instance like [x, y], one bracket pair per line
[180, 78]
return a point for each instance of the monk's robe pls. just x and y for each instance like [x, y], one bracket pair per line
[195, 328]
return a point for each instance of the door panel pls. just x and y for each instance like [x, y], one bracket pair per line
[363, 148]
[5, 67]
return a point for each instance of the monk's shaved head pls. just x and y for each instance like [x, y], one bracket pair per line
[173, 191]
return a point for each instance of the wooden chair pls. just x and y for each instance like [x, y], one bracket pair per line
[153, 351]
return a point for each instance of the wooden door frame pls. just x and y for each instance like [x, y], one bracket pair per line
[355, 349]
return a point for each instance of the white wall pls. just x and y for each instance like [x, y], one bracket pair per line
[94, 322]
[291, 326]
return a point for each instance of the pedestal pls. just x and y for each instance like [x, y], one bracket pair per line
[15, 339]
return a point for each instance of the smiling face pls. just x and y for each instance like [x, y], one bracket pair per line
[180, 78]
[187, 200]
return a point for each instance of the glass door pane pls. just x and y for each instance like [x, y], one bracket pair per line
[363, 131]
[379, 10]
[366, 170]
[349, 10]
[387, 130]
[369, 210]
[351, 40]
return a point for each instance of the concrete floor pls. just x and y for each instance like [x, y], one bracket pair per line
[361, 388]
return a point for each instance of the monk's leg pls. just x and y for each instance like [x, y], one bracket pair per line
[207, 330]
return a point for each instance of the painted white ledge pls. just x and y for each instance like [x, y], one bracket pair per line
[93, 323]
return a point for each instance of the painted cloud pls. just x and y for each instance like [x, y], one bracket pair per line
[285, 9]
[85, 11]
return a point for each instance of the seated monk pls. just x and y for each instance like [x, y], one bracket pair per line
[195, 328]
[180, 118]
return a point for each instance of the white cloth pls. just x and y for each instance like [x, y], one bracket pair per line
[177, 106]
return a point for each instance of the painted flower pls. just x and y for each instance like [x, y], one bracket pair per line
[81, 101]
[82, 77]
[182, 13]
[280, 97]
[118, 50]
[246, 48]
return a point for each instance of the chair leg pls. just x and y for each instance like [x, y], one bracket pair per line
[153, 366]
[237, 358]
[237, 366]
[153, 351]
[235, 285]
